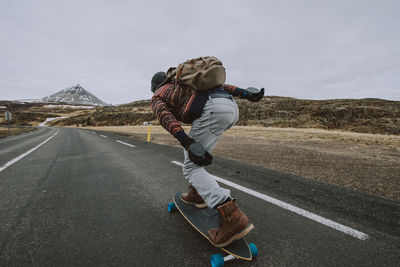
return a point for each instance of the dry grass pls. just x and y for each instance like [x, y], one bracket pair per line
[364, 162]
[14, 131]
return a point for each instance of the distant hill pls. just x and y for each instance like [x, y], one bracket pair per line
[34, 113]
[74, 95]
[376, 116]
[357, 115]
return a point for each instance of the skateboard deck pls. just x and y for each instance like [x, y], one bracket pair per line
[205, 219]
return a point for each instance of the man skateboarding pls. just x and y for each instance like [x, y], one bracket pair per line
[210, 113]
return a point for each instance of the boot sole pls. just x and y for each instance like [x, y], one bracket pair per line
[234, 237]
[200, 206]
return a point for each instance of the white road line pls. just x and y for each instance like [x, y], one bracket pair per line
[103, 136]
[93, 132]
[125, 143]
[11, 162]
[284, 205]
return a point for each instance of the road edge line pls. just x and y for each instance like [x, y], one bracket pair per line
[14, 160]
[312, 216]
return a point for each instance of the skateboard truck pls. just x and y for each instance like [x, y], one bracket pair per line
[217, 260]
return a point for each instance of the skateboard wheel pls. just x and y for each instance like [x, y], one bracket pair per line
[171, 207]
[253, 249]
[217, 260]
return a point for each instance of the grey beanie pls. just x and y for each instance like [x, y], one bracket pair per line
[157, 80]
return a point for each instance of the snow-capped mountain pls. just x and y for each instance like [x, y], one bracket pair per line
[74, 95]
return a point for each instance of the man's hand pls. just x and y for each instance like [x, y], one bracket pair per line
[251, 94]
[197, 153]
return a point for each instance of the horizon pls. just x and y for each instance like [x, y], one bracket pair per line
[38, 100]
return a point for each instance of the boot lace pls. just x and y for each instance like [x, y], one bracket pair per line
[228, 213]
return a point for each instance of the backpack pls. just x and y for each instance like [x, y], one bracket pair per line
[200, 74]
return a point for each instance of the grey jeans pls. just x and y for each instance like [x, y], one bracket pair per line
[219, 114]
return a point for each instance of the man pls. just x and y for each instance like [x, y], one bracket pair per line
[210, 113]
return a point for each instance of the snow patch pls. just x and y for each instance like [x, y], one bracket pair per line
[29, 100]
[43, 124]
[66, 106]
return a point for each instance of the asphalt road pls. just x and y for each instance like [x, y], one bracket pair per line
[84, 199]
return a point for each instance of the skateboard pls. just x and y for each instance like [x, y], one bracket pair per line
[204, 219]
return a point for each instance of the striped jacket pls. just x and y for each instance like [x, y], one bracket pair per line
[173, 104]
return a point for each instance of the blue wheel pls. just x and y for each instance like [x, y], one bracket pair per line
[253, 249]
[171, 207]
[217, 260]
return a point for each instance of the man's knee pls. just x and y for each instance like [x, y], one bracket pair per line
[191, 169]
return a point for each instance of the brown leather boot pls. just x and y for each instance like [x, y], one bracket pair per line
[192, 197]
[233, 224]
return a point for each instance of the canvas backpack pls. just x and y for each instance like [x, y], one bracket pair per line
[200, 74]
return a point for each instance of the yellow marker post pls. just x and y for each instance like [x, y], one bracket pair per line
[149, 134]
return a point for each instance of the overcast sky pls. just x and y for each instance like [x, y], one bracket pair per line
[304, 49]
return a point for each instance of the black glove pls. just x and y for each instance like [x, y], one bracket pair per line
[184, 139]
[251, 93]
[199, 155]
[196, 151]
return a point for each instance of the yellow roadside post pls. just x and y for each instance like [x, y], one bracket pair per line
[149, 134]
